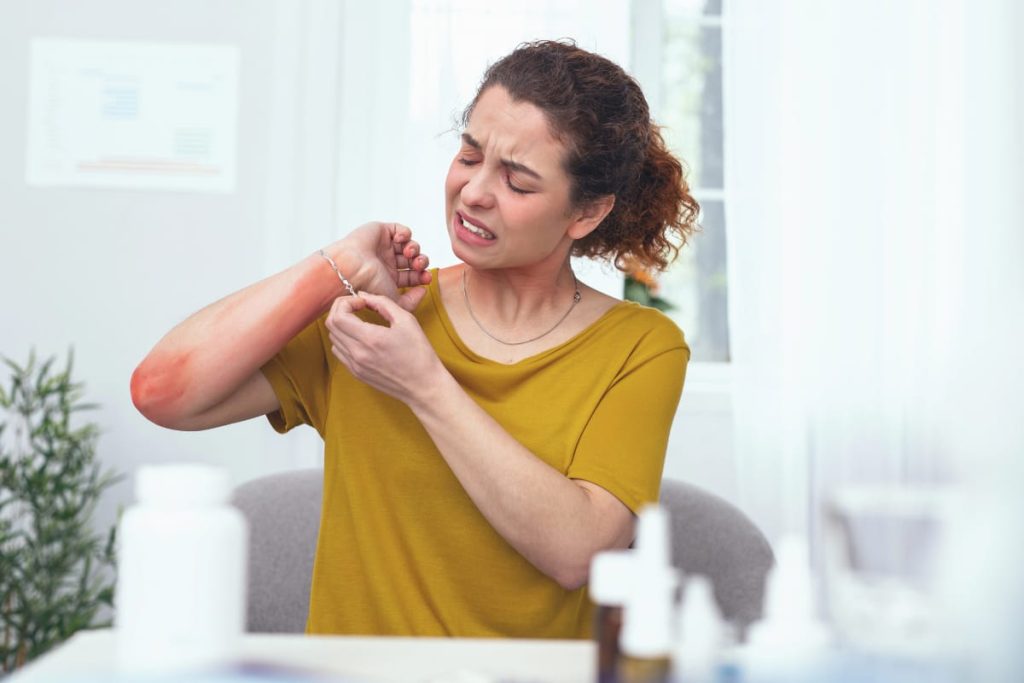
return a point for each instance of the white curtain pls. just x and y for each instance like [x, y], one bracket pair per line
[865, 308]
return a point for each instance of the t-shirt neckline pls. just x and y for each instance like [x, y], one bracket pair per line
[434, 289]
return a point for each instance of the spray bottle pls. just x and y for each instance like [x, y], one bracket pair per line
[701, 634]
[643, 583]
[790, 644]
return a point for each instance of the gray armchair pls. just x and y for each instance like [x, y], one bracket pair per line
[709, 536]
[283, 511]
[713, 538]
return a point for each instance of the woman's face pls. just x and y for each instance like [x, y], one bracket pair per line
[506, 194]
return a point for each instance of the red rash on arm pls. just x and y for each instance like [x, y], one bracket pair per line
[159, 380]
[208, 357]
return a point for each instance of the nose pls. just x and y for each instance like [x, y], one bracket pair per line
[478, 189]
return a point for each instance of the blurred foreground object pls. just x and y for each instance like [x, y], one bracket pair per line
[642, 582]
[884, 550]
[182, 572]
[790, 643]
[52, 564]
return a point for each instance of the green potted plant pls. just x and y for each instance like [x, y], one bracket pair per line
[641, 286]
[56, 572]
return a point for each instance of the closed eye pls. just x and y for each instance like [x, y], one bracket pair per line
[508, 178]
[517, 190]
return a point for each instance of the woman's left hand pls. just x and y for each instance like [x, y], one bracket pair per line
[396, 359]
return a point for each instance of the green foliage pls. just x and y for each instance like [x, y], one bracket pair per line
[639, 292]
[53, 578]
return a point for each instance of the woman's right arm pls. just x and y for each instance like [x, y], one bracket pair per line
[206, 371]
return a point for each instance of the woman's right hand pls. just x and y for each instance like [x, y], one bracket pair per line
[384, 258]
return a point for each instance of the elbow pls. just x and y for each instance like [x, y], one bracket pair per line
[154, 395]
[573, 575]
[573, 582]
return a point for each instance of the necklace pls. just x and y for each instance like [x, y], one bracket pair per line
[575, 300]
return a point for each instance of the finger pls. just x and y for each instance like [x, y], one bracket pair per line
[412, 298]
[413, 277]
[347, 342]
[402, 263]
[411, 269]
[409, 251]
[345, 305]
[337, 308]
[400, 234]
[344, 351]
[384, 306]
[343, 357]
[342, 319]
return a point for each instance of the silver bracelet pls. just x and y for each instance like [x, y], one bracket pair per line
[344, 280]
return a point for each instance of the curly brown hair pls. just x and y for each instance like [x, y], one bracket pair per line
[601, 116]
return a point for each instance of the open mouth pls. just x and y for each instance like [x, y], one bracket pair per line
[473, 228]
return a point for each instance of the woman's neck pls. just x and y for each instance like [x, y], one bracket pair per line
[515, 298]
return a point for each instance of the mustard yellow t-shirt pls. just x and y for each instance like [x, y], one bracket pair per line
[402, 549]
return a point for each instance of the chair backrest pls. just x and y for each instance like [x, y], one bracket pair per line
[709, 536]
[283, 511]
[713, 538]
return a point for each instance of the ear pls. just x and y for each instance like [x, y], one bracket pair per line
[587, 218]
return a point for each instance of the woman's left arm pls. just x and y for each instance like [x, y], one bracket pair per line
[556, 523]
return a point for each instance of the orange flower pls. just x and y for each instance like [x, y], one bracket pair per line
[641, 275]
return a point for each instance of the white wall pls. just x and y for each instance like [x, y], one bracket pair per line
[108, 271]
[700, 449]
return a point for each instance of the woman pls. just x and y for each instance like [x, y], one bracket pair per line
[490, 426]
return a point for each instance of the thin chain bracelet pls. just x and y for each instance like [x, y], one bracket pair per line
[344, 280]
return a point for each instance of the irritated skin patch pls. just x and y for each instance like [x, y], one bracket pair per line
[159, 381]
[227, 342]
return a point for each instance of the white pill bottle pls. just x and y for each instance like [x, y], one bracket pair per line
[181, 583]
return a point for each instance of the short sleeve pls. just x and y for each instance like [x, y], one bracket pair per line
[622, 448]
[300, 377]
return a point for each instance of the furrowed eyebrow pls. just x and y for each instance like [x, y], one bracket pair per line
[519, 168]
[507, 163]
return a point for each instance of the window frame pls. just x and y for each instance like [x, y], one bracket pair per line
[709, 382]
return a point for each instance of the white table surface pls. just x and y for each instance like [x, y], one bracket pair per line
[90, 654]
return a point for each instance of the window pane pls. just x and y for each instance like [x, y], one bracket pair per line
[697, 288]
[711, 155]
[691, 110]
[696, 7]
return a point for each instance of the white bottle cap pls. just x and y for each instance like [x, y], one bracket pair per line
[182, 484]
[653, 542]
[611, 572]
[643, 583]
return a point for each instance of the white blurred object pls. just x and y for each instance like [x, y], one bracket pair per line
[883, 550]
[790, 642]
[700, 635]
[180, 602]
[643, 582]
